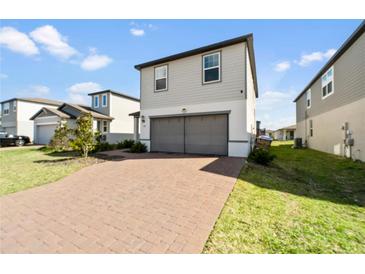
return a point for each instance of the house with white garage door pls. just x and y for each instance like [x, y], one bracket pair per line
[201, 101]
[110, 111]
[16, 114]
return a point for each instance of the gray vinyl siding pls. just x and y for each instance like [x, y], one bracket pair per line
[349, 83]
[11, 118]
[101, 109]
[185, 81]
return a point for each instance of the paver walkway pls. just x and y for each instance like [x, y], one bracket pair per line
[146, 203]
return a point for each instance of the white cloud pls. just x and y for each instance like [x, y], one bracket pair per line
[137, 32]
[95, 61]
[35, 91]
[53, 41]
[78, 92]
[307, 59]
[3, 76]
[17, 41]
[272, 99]
[282, 66]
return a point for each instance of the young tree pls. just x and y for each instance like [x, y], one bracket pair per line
[85, 138]
[61, 138]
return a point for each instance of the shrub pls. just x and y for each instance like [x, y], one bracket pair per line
[105, 146]
[261, 156]
[125, 144]
[85, 138]
[138, 147]
[61, 138]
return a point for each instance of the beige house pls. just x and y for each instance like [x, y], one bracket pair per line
[201, 101]
[285, 133]
[330, 111]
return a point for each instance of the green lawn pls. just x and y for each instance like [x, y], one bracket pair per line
[305, 202]
[24, 168]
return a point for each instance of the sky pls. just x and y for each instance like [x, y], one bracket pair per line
[66, 59]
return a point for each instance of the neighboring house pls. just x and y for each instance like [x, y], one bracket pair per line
[285, 133]
[118, 106]
[115, 128]
[201, 101]
[16, 114]
[331, 109]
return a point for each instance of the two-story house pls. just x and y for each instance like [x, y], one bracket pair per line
[330, 111]
[109, 109]
[201, 101]
[16, 114]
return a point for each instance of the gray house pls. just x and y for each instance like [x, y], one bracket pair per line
[330, 111]
[110, 111]
[201, 101]
[16, 114]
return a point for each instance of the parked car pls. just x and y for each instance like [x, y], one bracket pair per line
[13, 140]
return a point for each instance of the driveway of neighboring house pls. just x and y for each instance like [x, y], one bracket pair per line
[145, 203]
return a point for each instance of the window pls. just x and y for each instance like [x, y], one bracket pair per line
[211, 68]
[161, 78]
[311, 128]
[96, 101]
[104, 100]
[6, 108]
[14, 106]
[309, 98]
[105, 126]
[98, 125]
[327, 83]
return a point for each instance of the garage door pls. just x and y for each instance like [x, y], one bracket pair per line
[45, 133]
[206, 134]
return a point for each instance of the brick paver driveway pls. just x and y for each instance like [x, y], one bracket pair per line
[149, 203]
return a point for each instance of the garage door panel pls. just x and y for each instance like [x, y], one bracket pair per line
[45, 133]
[206, 134]
[167, 134]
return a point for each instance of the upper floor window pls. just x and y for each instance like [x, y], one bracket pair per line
[161, 78]
[327, 83]
[211, 68]
[6, 108]
[96, 101]
[104, 100]
[309, 98]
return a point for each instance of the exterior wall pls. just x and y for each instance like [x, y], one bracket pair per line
[120, 108]
[185, 81]
[250, 102]
[101, 109]
[113, 138]
[328, 135]
[8, 122]
[349, 92]
[238, 137]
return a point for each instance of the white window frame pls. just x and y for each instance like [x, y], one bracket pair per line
[106, 100]
[324, 83]
[167, 77]
[309, 96]
[96, 101]
[104, 124]
[219, 67]
[6, 109]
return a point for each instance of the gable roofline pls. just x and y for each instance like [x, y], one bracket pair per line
[126, 96]
[56, 112]
[35, 100]
[244, 38]
[344, 47]
[85, 109]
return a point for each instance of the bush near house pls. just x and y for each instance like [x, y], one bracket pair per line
[61, 138]
[261, 156]
[85, 138]
[138, 147]
[125, 144]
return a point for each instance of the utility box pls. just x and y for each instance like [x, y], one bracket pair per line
[349, 141]
[298, 143]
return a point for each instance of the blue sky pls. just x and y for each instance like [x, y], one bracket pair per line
[65, 59]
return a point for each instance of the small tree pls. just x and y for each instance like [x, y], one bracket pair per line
[61, 138]
[85, 138]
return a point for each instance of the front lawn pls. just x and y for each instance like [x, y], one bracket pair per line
[305, 202]
[29, 167]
